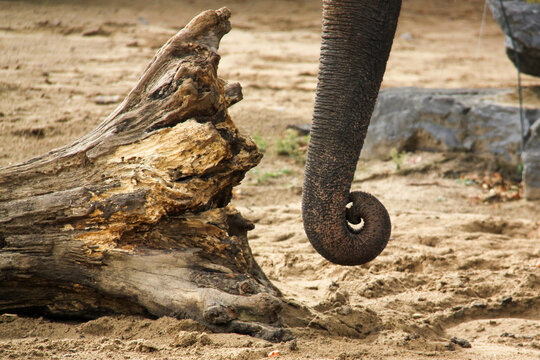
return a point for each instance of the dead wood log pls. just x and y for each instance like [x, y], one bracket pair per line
[133, 218]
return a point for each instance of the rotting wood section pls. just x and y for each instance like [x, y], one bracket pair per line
[133, 218]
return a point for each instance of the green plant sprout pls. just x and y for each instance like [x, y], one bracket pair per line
[293, 145]
[267, 175]
[397, 158]
[261, 143]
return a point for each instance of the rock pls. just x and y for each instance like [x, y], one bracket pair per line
[470, 120]
[480, 329]
[410, 337]
[522, 18]
[407, 36]
[461, 342]
[7, 318]
[185, 339]
[531, 163]
[410, 119]
[479, 304]
[293, 345]
[95, 32]
[344, 310]
[107, 99]
[507, 300]
[145, 347]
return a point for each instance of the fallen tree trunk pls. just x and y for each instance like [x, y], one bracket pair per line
[133, 218]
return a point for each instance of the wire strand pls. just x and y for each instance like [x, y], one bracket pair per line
[481, 30]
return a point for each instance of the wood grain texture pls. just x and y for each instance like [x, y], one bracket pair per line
[134, 217]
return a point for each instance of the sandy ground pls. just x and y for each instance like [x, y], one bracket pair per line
[456, 266]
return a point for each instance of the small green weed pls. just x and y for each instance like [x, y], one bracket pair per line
[465, 181]
[397, 158]
[261, 143]
[267, 175]
[293, 145]
[519, 170]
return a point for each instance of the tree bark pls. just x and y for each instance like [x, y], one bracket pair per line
[133, 218]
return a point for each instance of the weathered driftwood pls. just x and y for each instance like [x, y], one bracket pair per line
[134, 217]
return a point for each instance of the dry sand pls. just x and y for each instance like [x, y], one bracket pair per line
[456, 266]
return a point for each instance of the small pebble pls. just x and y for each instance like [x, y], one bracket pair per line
[145, 347]
[8, 318]
[142, 20]
[95, 31]
[293, 345]
[410, 337]
[460, 312]
[106, 99]
[417, 316]
[407, 36]
[344, 310]
[461, 342]
[479, 304]
[480, 329]
[506, 300]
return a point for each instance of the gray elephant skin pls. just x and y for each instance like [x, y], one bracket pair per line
[356, 41]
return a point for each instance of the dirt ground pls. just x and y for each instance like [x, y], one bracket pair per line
[457, 266]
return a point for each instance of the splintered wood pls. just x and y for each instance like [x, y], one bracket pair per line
[134, 216]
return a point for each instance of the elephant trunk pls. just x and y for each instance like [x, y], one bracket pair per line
[356, 40]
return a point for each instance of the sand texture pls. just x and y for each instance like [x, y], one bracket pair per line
[460, 277]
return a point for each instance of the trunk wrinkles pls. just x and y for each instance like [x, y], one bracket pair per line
[356, 41]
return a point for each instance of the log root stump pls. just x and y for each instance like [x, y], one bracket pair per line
[133, 218]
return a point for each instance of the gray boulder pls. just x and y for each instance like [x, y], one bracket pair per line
[524, 21]
[469, 120]
[410, 119]
[531, 163]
